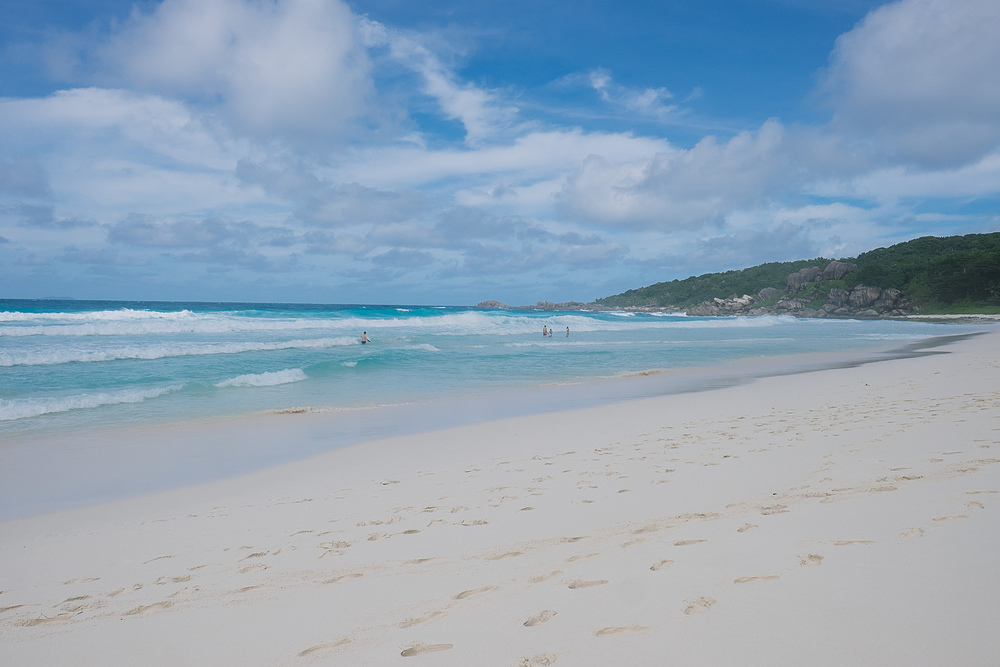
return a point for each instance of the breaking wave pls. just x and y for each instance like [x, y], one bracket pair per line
[271, 379]
[147, 352]
[22, 408]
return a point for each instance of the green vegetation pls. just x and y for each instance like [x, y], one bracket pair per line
[694, 290]
[955, 274]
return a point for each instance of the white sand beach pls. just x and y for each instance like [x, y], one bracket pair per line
[841, 517]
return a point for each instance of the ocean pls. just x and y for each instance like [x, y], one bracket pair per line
[73, 364]
[70, 369]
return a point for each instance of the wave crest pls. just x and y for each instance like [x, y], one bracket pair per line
[22, 408]
[270, 379]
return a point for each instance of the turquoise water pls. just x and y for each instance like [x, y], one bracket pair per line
[66, 365]
[107, 400]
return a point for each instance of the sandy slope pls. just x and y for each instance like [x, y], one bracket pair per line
[841, 517]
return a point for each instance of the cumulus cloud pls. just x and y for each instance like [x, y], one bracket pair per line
[920, 79]
[292, 68]
[681, 189]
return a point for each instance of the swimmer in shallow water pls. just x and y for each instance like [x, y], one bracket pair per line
[364, 337]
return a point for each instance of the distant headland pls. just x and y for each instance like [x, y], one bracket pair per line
[955, 275]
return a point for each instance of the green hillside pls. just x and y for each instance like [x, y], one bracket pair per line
[955, 274]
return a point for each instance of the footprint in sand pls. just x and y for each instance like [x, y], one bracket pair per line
[582, 557]
[144, 609]
[745, 527]
[344, 577]
[45, 620]
[542, 660]
[420, 649]
[847, 543]
[699, 606]
[421, 561]
[949, 518]
[322, 647]
[974, 505]
[540, 618]
[762, 577]
[609, 632]
[684, 543]
[811, 559]
[658, 566]
[913, 532]
[474, 591]
[580, 583]
[15, 606]
[410, 622]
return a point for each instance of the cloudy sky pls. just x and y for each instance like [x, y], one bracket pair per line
[450, 151]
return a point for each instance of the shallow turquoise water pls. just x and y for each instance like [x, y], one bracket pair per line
[73, 364]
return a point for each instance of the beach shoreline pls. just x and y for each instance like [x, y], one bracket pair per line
[840, 516]
[105, 464]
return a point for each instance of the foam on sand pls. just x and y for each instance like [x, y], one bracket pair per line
[764, 523]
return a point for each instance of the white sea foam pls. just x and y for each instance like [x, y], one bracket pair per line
[21, 408]
[119, 315]
[271, 379]
[349, 364]
[143, 323]
[70, 354]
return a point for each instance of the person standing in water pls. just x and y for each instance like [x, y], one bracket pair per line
[364, 337]
[545, 331]
[567, 332]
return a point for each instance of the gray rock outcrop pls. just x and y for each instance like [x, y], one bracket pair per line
[863, 296]
[803, 276]
[862, 301]
[836, 270]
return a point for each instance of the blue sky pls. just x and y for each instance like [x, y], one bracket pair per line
[385, 151]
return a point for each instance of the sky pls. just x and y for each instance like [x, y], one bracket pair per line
[447, 152]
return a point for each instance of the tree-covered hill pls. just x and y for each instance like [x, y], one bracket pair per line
[959, 274]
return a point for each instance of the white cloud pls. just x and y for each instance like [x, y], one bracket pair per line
[920, 80]
[292, 68]
[680, 189]
[647, 101]
[890, 185]
[482, 113]
[108, 150]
